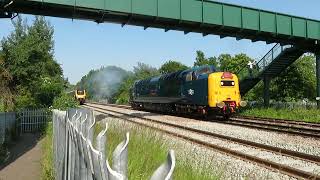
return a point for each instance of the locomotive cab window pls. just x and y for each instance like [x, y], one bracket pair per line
[227, 83]
[189, 76]
[80, 92]
[204, 70]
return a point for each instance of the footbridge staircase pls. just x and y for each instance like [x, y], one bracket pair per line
[271, 65]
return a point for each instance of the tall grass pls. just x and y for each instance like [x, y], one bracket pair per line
[148, 150]
[307, 115]
[47, 169]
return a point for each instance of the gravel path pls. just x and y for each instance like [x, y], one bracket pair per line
[24, 161]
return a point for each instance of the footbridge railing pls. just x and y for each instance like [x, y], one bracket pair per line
[77, 157]
[260, 66]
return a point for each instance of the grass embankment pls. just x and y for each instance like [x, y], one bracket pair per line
[148, 150]
[307, 115]
[47, 171]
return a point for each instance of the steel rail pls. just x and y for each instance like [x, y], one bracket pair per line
[275, 126]
[284, 121]
[266, 163]
[278, 128]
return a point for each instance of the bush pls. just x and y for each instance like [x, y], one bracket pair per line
[147, 151]
[308, 115]
[64, 102]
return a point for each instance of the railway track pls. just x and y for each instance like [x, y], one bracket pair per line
[298, 128]
[242, 144]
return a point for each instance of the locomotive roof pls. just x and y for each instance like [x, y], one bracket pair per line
[177, 74]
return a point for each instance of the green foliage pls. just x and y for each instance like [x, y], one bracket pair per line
[233, 64]
[27, 53]
[47, 169]
[308, 115]
[295, 83]
[6, 94]
[141, 71]
[144, 161]
[172, 66]
[202, 60]
[64, 102]
[102, 83]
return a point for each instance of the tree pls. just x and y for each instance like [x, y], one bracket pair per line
[28, 56]
[102, 83]
[172, 66]
[233, 64]
[297, 82]
[141, 71]
[202, 60]
[6, 99]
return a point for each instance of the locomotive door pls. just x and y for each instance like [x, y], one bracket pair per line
[195, 90]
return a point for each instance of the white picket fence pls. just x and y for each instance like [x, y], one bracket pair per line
[76, 158]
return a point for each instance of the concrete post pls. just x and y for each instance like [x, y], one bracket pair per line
[318, 78]
[266, 91]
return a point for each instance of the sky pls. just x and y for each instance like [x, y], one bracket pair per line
[83, 45]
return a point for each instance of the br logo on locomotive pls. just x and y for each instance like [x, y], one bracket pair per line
[191, 92]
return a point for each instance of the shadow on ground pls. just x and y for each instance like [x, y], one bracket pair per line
[25, 143]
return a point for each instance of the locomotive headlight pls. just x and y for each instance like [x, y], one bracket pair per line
[220, 104]
[232, 83]
[243, 103]
[221, 83]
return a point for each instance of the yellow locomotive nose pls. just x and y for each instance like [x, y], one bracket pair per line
[223, 87]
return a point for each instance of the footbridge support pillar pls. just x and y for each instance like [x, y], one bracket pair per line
[318, 78]
[266, 91]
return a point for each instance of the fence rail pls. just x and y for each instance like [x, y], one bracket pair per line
[33, 120]
[75, 157]
[284, 105]
[24, 121]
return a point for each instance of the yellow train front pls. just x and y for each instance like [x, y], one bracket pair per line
[80, 96]
[200, 90]
[223, 93]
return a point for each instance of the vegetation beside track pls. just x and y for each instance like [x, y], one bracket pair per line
[299, 114]
[148, 150]
[47, 169]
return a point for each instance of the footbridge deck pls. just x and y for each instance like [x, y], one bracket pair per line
[202, 16]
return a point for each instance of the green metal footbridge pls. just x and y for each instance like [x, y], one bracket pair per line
[294, 35]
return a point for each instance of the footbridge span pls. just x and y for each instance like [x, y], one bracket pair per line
[200, 16]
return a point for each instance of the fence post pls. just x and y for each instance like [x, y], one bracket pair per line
[81, 160]
[165, 171]
[101, 141]
[120, 157]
